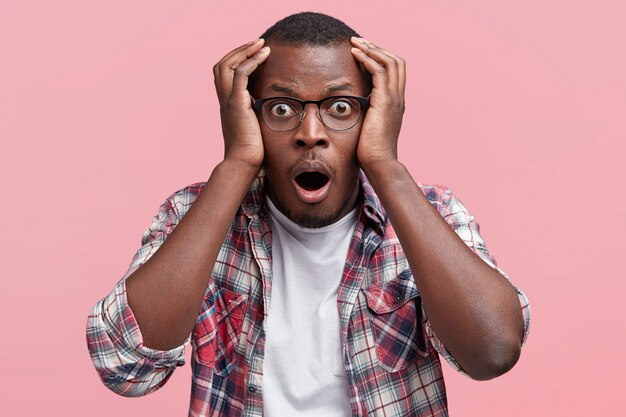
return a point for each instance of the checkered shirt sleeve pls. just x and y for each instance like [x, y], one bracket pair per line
[114, 340]
[463, 223]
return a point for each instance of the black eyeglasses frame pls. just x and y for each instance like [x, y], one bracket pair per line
[258, 105]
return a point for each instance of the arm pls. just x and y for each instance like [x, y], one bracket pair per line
[136, 334]
[166, 293]
[474, 311]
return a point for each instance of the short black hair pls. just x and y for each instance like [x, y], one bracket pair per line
[309, 29]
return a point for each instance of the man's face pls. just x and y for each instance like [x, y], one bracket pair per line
[312, 171]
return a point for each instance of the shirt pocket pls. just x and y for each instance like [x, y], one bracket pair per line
[396, 322]
[218, 329]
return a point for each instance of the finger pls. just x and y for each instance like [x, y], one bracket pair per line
[393, 66]
[379, 79]
[216, 67]
[259, 41]
[247, 67]
[389, 64]
[401, 68]
[223, 70]
[361, 42]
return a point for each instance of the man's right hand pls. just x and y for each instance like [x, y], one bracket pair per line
[166, 292]
[242, 134]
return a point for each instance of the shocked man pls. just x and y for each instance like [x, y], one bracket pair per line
[311, 273]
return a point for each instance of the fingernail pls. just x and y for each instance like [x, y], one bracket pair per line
[264, 50]
[360, 40]
[356, 50]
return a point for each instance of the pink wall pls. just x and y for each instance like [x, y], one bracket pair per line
[108, 107]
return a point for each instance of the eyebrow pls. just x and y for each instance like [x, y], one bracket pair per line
[282, 89]
[333, 88]
[339, 87]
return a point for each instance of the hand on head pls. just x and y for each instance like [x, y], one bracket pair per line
[240, 127]
[381, 127]
[293, 119]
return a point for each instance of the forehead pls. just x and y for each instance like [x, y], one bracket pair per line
[309, 72]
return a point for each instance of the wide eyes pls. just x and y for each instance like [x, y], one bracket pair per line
[335, 108]
[286, 113]
[282, 109]
[339, 108]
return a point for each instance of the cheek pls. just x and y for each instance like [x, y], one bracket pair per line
[348, 149]
[274, 161]
[268, 141]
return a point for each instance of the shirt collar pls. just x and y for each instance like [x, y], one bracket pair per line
[255, 197]
[372, 207]
[254, 201]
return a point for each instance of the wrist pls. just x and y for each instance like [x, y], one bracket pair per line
[386, 174]
[242, 168]
[376, 157]
[378, 167]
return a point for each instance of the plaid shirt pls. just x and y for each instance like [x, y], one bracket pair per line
[391, 355]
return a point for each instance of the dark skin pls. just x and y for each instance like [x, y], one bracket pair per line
[329, 72]
[472, 308]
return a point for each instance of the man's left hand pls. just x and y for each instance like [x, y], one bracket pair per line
[381, 128]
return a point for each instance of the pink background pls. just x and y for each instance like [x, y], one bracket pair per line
[108, 107]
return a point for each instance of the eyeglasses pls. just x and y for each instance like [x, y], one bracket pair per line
[286, 113]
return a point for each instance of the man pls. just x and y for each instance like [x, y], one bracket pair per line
[312, 275]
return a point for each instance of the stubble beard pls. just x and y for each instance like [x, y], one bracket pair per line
[307, 220]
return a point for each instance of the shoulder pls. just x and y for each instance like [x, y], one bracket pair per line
[446, 202]
[438, 195]
[191, 190]
[181, 200]
[441, 197]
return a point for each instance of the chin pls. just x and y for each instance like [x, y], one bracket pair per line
[336, 203]
[313, 222]
[313, 218]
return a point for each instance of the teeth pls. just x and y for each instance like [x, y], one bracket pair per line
[311, 181]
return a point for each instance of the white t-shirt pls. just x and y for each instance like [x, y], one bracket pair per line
[303, 371]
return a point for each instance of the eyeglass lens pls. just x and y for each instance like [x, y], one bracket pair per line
[338, 113]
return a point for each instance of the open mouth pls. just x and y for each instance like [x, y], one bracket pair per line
[312, 186]
[311, 181]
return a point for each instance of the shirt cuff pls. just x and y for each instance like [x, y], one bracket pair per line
[123, 331]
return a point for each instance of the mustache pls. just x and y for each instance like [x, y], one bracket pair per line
[311, 155]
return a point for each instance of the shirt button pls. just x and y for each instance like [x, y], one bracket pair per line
[398, 298]
[252, 388]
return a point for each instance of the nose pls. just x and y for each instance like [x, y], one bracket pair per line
[311, 131]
